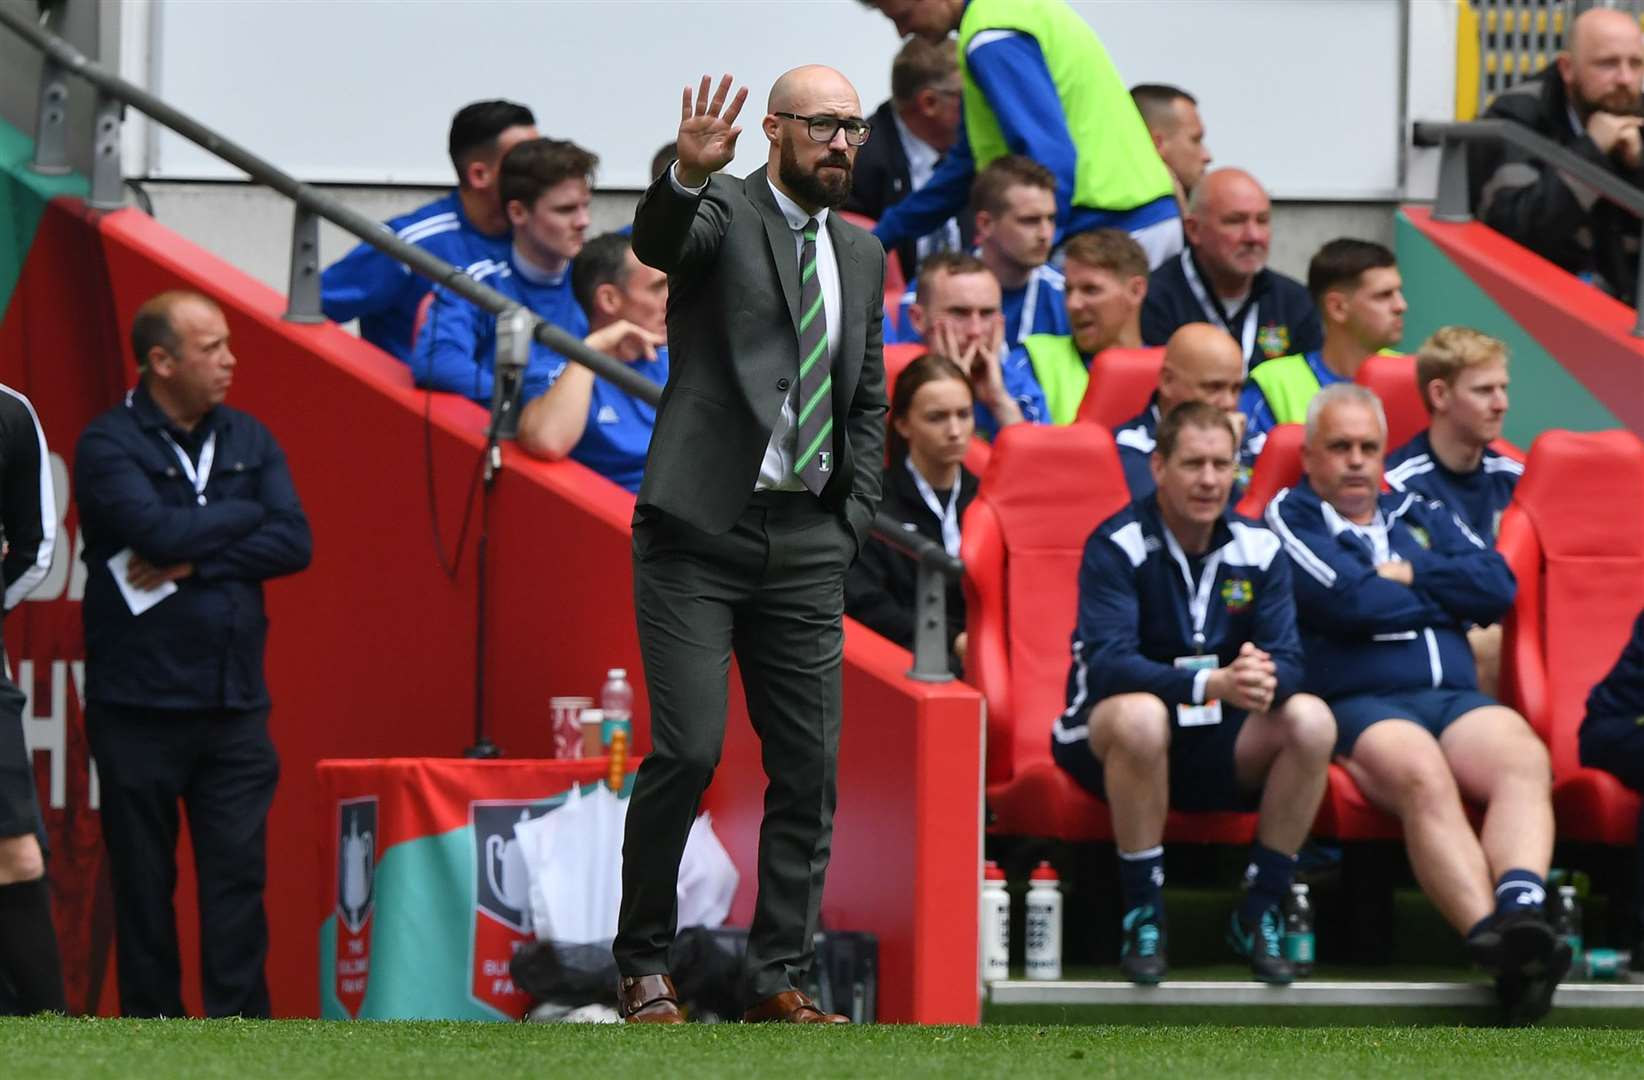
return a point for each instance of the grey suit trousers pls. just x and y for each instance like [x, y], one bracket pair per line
[771, 590]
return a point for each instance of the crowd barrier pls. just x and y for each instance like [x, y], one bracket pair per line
[372, 649]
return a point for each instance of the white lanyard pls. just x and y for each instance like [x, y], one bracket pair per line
[208, 454]
[1030, 307]
[1213, 310]
[949, 517]
[196, 476]
[1198, 598]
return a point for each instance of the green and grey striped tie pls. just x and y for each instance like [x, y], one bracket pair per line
[813, 460]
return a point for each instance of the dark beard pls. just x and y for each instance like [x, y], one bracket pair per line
[1620, 102]
[813, 188]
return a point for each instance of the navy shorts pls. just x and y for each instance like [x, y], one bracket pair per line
[1202, 773]
[1433, 709]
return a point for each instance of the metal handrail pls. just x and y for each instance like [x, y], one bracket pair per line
[60, 59]
[304, 294]
[1453, 202]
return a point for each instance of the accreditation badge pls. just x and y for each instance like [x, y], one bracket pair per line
[1210, 713]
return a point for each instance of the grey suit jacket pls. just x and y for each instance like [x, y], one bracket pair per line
[733, 345]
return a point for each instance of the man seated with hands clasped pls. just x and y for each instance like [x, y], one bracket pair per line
[1182, 690]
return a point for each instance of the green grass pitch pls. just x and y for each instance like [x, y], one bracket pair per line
[245, 1050]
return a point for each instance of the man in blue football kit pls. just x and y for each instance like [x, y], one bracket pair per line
[1386, 587]
[582, 416]
[1182, 691]
[466, 228]
[546, 187]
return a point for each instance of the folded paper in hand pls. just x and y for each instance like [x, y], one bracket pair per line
[138, 600]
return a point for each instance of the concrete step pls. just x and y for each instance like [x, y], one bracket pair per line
[1307, 993]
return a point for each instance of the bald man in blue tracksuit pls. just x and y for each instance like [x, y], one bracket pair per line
[1386, 588]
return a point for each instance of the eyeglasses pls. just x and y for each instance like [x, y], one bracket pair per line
[822, 128]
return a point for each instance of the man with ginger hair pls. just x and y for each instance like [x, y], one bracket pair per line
[1462, 376]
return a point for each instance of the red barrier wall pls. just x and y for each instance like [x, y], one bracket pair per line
[371, 650]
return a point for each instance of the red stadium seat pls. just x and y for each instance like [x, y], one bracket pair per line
[1278, 466]
[1044, 492]
[1393, 378]
[1121, 381]
[895, 282]
[1574, 536]
[898, 357]
[979, 455]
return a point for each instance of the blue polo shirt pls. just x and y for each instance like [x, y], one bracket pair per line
[618, 435]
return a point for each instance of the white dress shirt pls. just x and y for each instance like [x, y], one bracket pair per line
[776, 470]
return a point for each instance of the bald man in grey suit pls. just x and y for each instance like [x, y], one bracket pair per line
[762, 482]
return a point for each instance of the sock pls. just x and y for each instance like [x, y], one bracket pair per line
[1266, 882]
[28, 947]
[1481, 926]
[1141, 879]
[1519, 890]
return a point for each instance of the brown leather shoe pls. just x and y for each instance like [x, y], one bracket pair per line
[790, 1007]
[648, 999]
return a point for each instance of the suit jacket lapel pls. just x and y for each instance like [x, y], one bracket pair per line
[852, 328]
[758, 190]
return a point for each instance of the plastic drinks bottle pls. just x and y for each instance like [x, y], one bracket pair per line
[995, 924]
[1566, 920]
[1298, 930]
[616, 703]
[1044, 924]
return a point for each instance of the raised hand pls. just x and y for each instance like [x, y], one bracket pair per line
[707, 131]
[625, 341]
[1608, 129]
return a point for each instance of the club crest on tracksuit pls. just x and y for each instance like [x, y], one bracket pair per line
[1274, 340]
[357, 839]
[502, 900]
[1237, 593]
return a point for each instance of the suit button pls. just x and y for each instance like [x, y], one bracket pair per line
[783, 384]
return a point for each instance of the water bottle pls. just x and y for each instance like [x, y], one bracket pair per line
[616, 705]
[1566, 920]
[995, 924]
[1044, 924]
[1298, 930]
